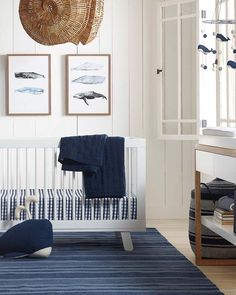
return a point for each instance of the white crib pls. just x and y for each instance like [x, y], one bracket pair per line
[29, 166]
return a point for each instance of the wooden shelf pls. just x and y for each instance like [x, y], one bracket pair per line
[225, 231]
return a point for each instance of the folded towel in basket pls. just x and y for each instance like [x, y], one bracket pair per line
[226, 203]
[100, 158]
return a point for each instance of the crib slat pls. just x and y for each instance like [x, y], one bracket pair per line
[45, 184]
[83, 200]
[141, 180]
[129, 182]
[18, 176]
[35, 183]
[8, 182]
[64, 195]
[54, 169]
[26, 171]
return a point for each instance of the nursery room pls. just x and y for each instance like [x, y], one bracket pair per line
[118, 147]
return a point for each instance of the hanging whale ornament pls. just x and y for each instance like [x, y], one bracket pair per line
[204, 67]
[205, 50]
[222, 38]
[231, 64]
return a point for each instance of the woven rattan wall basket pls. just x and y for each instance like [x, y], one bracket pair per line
[51, 22]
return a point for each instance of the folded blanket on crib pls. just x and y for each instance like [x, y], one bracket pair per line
[100, 158]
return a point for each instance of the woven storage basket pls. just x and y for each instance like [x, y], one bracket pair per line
[213, 245]
[51, 22]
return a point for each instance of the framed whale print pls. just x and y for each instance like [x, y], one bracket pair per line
[28, 84]
[88, 84]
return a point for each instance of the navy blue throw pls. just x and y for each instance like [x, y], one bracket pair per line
[26, 238]
[96, 264]
[100, 158]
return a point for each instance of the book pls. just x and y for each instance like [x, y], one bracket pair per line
[225, 222]
[222, 217]
[224, 212]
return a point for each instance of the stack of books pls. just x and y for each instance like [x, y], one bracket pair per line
[223, 216]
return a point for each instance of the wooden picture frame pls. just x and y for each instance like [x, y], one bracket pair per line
[88, 84]
[28, 84]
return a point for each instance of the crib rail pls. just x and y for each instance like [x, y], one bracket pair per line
[30, 166]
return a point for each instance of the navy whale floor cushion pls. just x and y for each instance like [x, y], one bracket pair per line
[26, 238]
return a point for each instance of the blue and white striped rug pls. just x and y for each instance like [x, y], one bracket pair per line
[96, 263]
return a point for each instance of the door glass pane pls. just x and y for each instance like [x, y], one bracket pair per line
[170, 74]
[188, 8]
[188, 128]
[170, 128]
[188, 60]
[170, 11]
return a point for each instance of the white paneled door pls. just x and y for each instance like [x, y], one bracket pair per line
[178, 106]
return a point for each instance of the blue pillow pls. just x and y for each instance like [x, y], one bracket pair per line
[26, 238]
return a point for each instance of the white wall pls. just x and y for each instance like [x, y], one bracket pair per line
[128, 32]
[120, 37]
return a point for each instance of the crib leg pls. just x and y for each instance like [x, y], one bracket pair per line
[127, 241]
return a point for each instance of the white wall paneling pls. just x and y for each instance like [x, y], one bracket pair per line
[129, 33]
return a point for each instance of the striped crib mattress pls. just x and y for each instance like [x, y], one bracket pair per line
[93, 209]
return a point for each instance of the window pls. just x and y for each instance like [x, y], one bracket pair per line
[217, 83]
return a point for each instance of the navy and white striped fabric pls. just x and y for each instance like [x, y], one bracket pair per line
[95, 209]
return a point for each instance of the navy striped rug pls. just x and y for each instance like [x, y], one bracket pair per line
[95, 263]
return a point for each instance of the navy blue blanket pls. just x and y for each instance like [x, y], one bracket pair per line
[100, 158]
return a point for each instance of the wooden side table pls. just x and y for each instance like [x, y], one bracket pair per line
[217, 162]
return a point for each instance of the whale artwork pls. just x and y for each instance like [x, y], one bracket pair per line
[28, 75]
[90, 80]
[88, 66]
[88, 84]
[89, 95]
[30, 90]
[222, 38]
[205, 50]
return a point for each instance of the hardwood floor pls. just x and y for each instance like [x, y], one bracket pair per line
[176, 232]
